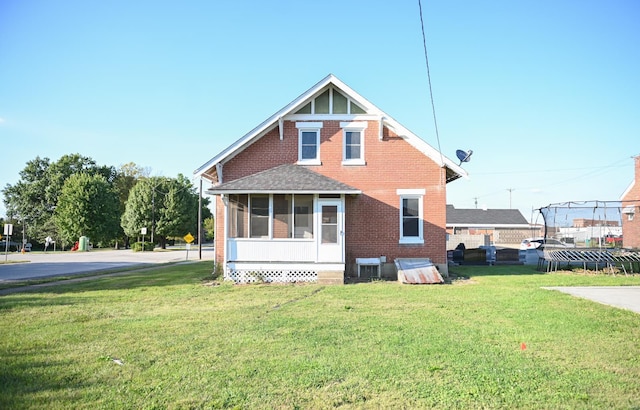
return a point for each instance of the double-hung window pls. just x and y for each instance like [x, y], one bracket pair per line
[309, 143]
[411, 216]
[353, 142]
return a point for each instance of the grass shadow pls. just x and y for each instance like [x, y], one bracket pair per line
[471, 271]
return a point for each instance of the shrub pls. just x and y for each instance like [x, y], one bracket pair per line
[137, 246]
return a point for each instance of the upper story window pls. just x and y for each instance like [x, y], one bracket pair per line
[411, 216]
[331, 101]
[353, 142]
[309, 143]
[630, 211]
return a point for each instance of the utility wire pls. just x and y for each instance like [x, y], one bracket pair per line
[426, 58]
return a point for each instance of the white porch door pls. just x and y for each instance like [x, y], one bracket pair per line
[330, 231]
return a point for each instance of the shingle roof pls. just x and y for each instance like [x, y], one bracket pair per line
[489, 217]
[287, 178]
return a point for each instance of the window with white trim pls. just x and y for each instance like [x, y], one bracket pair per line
[353, 142]
[276, 216]
[309, 143]
[411, 216]
[630, 211]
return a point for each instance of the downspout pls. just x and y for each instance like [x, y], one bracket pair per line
[281, 127]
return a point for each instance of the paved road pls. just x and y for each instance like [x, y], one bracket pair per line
[624, 297]
[38, 265]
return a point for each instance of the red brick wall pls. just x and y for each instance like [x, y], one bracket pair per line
[631, 229]
[372, 219]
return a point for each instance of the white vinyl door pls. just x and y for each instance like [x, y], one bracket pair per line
[330, 231]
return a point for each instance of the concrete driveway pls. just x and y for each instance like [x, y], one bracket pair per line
[623, 297]
[39, 265]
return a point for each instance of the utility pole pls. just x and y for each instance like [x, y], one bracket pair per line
[510, 190]
[200, 221]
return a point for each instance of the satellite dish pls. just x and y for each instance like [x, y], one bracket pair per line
[463, 156]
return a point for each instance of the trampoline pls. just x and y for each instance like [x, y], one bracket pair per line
[593, 235]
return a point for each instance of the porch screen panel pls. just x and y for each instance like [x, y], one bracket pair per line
[259, 217]
[238, 205]
[282, 216]
[303, 216]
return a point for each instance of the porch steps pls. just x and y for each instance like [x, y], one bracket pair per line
[330, 277]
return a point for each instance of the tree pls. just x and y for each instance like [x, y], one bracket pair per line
[87, 206]
[167, 207]
[34, 197]
[127, 177]
[209, 228]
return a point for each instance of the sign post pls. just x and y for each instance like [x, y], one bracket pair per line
[8, 231]
[188, 238]
[143, 231]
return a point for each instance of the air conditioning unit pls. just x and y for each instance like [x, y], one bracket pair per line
[369, 267]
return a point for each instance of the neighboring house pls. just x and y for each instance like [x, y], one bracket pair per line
[631, 211]
[478, 227]
[325, 182]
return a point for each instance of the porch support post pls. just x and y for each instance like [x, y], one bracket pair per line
[200, 221]
[219, 172]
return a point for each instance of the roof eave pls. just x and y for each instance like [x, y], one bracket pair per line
[213, 191]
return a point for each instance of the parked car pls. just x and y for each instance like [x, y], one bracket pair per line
[534, 243]
[530, 248]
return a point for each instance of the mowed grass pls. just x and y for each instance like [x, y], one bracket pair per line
[185, 344]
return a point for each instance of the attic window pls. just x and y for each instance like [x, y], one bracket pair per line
[355, 109]
[305, 110]
[322, 103]
[331, 101]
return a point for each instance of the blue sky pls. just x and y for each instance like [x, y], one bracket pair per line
[545, 93]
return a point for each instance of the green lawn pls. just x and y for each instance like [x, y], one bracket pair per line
[186, 344]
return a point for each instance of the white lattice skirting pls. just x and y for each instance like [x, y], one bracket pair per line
[271, 276]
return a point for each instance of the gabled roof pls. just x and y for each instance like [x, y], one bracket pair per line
[284, 179]
[209, 171]
[636, 179]
[497, 218]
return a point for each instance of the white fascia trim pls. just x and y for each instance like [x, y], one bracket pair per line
[298, 192]
[410, 192]
[309, 125]
[627, 191]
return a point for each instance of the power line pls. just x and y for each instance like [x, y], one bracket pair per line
[433, 107]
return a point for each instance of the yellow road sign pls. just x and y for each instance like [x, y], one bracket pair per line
[189, 238]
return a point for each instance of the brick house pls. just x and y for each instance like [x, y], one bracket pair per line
[328, 181]
[630, 211]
